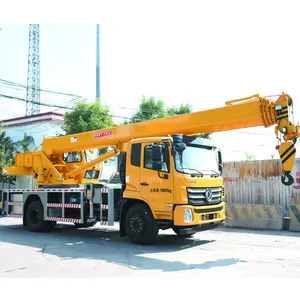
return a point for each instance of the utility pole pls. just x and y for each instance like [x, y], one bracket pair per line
[98, 63]
[33, 74]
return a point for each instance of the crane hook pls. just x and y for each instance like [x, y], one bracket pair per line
[287, 176]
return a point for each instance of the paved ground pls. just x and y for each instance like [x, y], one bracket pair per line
[97, 252]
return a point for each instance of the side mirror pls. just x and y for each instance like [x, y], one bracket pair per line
[156, 153]
[179, 147]
[220, 162]
[220, 169]
[157, 165]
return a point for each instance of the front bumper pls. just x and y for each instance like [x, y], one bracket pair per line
[201, 215]
[197, 228]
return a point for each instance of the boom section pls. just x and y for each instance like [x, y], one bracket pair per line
[250, 112]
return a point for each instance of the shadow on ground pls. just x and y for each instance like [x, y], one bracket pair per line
[66, 243]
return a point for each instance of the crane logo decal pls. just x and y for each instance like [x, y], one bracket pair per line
[102, 134]
[208, 195]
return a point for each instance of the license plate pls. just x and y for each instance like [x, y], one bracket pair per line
[207, 217]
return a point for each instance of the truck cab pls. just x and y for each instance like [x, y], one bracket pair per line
[178, 178]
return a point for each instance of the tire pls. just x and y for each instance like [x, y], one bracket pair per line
[176, 230]
[35, 218]
[141, 227]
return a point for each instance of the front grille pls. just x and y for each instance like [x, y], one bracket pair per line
[197, 196]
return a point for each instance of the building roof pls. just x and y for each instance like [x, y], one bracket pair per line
[27, 120]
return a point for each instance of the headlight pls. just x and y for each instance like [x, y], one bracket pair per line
[188, 216]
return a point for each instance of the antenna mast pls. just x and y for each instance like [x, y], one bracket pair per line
[33, 74]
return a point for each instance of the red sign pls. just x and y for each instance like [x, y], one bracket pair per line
[102, 134]
[227, 179]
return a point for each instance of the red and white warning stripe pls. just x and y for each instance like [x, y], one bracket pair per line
[63, 220]
[44, 190]
[68, 205]
[15, 203]
[104, 206]
[104, 190]
[14, 216]
[103, 222]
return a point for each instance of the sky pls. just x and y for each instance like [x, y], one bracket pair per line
[198, 52]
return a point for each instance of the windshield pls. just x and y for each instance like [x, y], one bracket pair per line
[194, 159]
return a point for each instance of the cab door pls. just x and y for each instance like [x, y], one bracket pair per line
[156, 187]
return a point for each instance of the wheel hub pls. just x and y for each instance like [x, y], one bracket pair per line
[136, 224]
[34, 216]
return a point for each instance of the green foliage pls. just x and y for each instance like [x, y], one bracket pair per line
[87, 116]
[182, 109]
[25, 143]
[7, 155]
[249, 156]
[151, 109]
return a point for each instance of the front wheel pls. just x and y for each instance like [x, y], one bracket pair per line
[141, 227]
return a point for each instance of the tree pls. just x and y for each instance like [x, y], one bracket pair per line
[7, 155]
[87, 116]
[25, 143]
[249, 156]
[151, 109]
[182, 109]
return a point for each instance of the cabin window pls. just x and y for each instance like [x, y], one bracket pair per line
[135, 158]
[148, 158]
[71, 157]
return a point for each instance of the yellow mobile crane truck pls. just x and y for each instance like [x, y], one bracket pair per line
[170, 177]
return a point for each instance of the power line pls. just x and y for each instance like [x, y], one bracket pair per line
[11, 83]
[240, 150]
[15, 84]
[59, 106]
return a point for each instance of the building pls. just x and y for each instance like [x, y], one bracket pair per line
[36, 127]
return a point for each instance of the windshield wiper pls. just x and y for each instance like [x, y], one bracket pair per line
[215, 173]
[198, 172]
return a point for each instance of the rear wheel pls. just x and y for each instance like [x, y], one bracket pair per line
[141, 227]
[35, 218]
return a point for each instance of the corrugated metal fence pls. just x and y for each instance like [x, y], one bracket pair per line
[255, 188]
[255, 182]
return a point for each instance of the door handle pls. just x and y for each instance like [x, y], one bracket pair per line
[144, 183]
